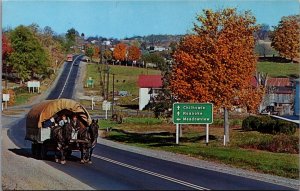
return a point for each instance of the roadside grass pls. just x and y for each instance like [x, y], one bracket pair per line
[22, 94]
[125, 77]
[143, 121]
[22, 98]
[137, 132]
[279, 69]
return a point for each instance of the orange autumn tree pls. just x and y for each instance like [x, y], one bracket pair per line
[96, 52]
[285, 38]
[217, 62]
[120, 52]
[134, 53]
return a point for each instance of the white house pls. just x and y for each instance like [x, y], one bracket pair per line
[149, 85]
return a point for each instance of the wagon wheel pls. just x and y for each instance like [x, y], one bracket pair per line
[68, 153]
[34, 149]
[42, 151]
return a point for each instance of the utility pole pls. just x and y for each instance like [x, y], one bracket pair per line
[1, 78]
[107, 78]
[107, 83]
[6, 83]
[102, 81]
[113, 95]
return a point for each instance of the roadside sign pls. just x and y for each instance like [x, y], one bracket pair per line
[90, 82]
[106, 106]
[5, 97]
[193, 113]
[33, 84]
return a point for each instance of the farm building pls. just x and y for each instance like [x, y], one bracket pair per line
[279, 97]
[149, 86]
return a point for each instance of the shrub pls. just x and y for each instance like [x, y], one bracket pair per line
[275, 126]
[278, 144]
[266, 125]
[281, 144]
[285, 127]
[250, 123]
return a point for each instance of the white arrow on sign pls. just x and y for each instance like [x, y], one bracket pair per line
[178, 119]
[178, 113]
[178, 107]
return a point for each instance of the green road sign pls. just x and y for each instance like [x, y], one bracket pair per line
[193, 113]
[90, 82]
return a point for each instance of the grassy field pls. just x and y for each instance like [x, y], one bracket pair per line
[279, 69]
[142, 132]
[125, 77]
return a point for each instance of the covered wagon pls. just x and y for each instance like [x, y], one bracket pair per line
[38, 129]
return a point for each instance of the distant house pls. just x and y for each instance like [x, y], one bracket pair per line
[149, 86]
[279, 97]
[156, 48]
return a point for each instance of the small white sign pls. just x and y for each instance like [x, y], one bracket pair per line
[106, 105]
[33, 84]
[5, 97]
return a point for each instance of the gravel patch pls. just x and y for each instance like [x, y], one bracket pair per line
[191, 161]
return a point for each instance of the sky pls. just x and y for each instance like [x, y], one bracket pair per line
[120, 19]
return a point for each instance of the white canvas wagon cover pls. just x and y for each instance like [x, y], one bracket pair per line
[47, 109]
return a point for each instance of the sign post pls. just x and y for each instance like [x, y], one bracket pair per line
[93, 103]
[177, 133]
[207, 134]
[5, 98]
[192, 113]
[106, 106]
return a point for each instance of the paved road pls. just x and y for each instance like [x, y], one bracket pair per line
[66, 83]
[118, 169]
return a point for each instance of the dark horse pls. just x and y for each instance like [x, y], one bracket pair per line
[93, 132]
[62, 136]
[87, 141]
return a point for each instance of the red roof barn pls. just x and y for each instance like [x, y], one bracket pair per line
[150, 81]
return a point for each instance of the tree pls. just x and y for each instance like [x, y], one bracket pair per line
[263, 32]
[71, 34]
[96, 52]
[263, 48]
[285, 37]
[71, 38]
[173, 45]
[107, 55]
[89, 51]
[155, 58]
[29, 57]
[217, 62]
[6, 47]
[48, 31]
[134, 53]
[120, 52]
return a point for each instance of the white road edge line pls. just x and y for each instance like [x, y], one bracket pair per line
[67, 77]
[190, 185]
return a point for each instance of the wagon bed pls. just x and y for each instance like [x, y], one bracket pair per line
[41, 136]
